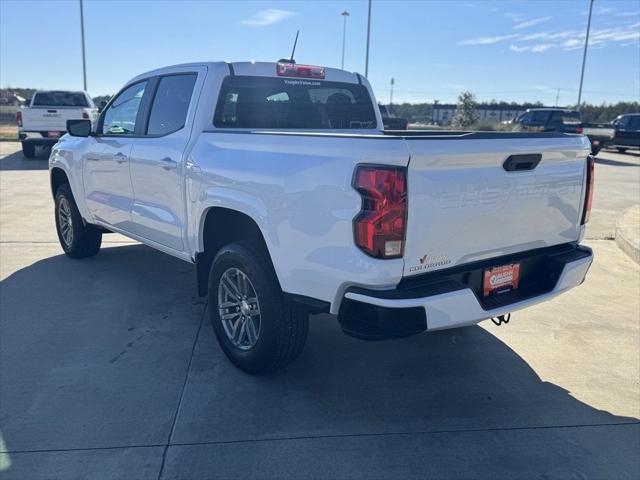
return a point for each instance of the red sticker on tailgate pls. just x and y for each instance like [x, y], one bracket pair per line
[501, 279]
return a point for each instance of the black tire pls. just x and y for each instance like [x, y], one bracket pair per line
[78, 240]
[621, 150]
[595, 150]
[28, 150]
[282, 328]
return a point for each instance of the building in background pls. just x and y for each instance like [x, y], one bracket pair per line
[491, 113]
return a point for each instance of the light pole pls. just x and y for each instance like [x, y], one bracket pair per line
[391, 93]
[344, 14]
[366, 61]
[84, 63]
[584, 54]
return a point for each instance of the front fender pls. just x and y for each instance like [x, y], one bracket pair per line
[67, 157]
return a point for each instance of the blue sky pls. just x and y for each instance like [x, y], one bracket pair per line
[505, 50]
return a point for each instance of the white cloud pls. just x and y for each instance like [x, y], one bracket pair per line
[543, 47]
[486, 40]
[267, 17]
[531, 23]
[566, 40]
[572, 42]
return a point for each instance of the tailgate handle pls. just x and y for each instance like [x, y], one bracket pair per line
[519, 163]
[52, 111]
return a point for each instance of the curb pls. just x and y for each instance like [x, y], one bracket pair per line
[628, 232]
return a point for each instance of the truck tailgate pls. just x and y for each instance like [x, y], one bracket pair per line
[465, 206]
[49, 118]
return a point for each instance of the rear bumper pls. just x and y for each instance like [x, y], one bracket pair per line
[453, 298]
[38, 138]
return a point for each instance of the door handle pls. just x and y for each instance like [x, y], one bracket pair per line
[169, 164]
[120, 157]
[517, 163]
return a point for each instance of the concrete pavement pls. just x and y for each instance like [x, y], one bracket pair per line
[628, 232]
[109, 369]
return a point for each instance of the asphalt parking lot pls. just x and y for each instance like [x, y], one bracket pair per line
[110, 369]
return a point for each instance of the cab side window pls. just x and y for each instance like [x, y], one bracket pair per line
[539, 118]
[525, 118]
[633, 123]
[171, 103]
[121, 116]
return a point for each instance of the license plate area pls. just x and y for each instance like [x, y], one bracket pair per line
[501, 279]
[54, 134]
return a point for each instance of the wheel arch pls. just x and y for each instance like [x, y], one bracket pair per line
[220, 226]
[58, 177]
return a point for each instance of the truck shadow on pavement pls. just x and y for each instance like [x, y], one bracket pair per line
[107, 352]
[17, 161]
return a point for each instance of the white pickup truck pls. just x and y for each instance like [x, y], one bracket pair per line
[44, 120]
[278, 182]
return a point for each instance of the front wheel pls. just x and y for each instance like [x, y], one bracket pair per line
[78, 240]
[255, 328]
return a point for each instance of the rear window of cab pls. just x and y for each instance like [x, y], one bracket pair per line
[60, 99]
[292, 103]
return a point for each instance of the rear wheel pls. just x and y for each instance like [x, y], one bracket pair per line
[28, 150]
[621, 150]
[78, 240]
[255, 328]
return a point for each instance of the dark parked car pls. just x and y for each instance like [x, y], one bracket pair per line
[564, 121]
[390, 121]
[627, 134]
[549, 120]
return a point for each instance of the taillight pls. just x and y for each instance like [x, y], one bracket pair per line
[19, 118]
[578, 129]
[380, 227]
[295, 70]
[85, 116]
[588, 195]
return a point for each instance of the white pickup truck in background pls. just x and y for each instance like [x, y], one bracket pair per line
[279, 183]
[44, 119]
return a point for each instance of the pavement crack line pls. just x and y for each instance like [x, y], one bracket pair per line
[323, 437]
[184, 387]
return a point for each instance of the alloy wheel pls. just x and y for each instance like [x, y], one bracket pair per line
[239, 309]
[65, 222]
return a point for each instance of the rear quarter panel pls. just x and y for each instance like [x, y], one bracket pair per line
[298, 190]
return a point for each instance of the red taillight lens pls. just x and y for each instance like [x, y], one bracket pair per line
[85, 115]
[19, 118]
[588, 196]
[380, 226]
[578, 129]
[294, 70]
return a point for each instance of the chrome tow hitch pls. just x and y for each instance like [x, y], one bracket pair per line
[500, 319]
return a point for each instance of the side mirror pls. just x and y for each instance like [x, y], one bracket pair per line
[79, 128]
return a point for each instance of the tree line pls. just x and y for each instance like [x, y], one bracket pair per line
[421, 112]
[603, 113]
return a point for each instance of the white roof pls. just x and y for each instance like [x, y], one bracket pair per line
[262, 69]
